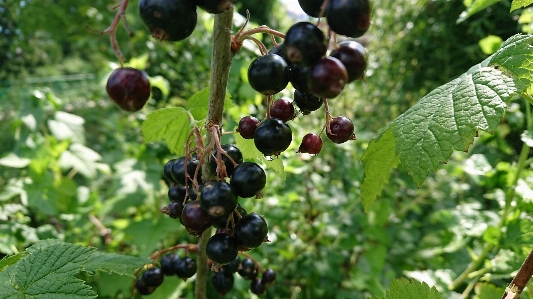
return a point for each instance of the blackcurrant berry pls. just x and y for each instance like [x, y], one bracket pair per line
[311, 144]
[222, 222]
[247, 127]
[195, 219]
[166, 171]
[299, 78]
[129, 88]
[248, 179]
[278, 50]
[349, 17]
[248, 269]
[215, 6]
[282, 109]
[178, 169]
[232, 151]
[218, 199]
[167, 264]
[268, 74]
[233, 266]
[341, 130]
[153, 277]
[268, 276]
[304, 44]
[257, 286]
[223, 282]
[222, 248]
[251, 230]
[174, 209]
[328, 77]
[185, 267]
[272, 137]
[307, 102]
[171, 20]
[177, 193]
[354, 57]
[311, 7]
[142, 288]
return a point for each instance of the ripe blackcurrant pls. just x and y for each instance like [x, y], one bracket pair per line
[222, 248]
[215, 6]
[185, 267]
[299, 78]
[349, 17]
[232, 151]
[223, 282]
[166, 171]
[282, 109]
[307, 102]
[268, 74]
[272, 137]
[311, 144]
[268, 276]
[218, 199]
[341, 130]
[153, 277]
[354, 57]
[304, 44]
[178, 168]
[328, 77]
[222, 222]
[195, 219]
[257, 286]
[174, 209]
[142, 288]
[248, 269]
[248, 179]
[177, 193]
[233, 266]
[171, 20]
[247, 127]
[167, 264]
[311, 7]
[251, 230]
[129, 88]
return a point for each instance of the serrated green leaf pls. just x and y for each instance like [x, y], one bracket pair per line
[250, 152]
[10, 260]
[378, 161]
[519, 4]
[475, 7]
[516, 56]
[488, 291]
[170, 124]
[114, 263]
[199, 102]
[410, 289]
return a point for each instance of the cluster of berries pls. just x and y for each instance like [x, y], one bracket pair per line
[171, 264]
[248, 269]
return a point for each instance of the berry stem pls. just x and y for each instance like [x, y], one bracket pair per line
[112, 29]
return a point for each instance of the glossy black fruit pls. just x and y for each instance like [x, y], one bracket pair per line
[153, 277]
[282, 109]
[299, 78]
[167, 264]
[222, 248]
[179, 167]
[307, 102]
[251, 230]
[174, 209]
[311, 144]
[185, 267]
[232, 151]
[327, 77]
[349, 17]
[311, 7]
[248, 269]
[268, 74]
[278, 50]
[166, 171]
[342, 130]
[215, 6]
[177, 193]
[218, 199]
[257, 287]
[268, 276]
[195, 219]
[171, 20]
[354, 57]
[248, 179]
[272, 137]
[233, 266]
[222, 222]
[304, 44]
[129, 88]
[142, 288]
[247, 127]
[223, 282]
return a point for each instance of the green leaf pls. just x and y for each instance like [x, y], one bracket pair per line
[250, 152]
[488, 291]
[14, 161]
[475, 7]
[378, 161]
[114, 263]
[492, 235]
[490, 44]
[520, 3]
[10, 260]
[410, 289]
[171, 124]
[199, 102]
[515, 56]
[161, 83]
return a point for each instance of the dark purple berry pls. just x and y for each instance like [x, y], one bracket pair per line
[185, 267]
[251, 230]
[167, 171]
[349, 17]
[179, 168]
[153, 277]
[142, 288]
[167, 264]
[232, 151]
[248, 179]
[272, 137]
[171, 20]
[282, 109]
[195, 219]
[247, 127]
[218, 199]
[268, 74]
[341, 130]
[299, 78]
[257, 287]
[268, 276]
[223, 282]
[328, 77]
[222, 248]
[129, 88]
[278, 50]
[311, 7]
[304, 44]
[307, 102]
[174, 209]
[311, 144]
[248, 269]
[354, 57]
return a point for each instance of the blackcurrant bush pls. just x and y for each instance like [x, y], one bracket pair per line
[268, 74]
[341, 130]
[233, 266]
[166, 171]
[232, 151]
[218, 199]
[248, 179]
[185, 267]
[153, 277]
[167, 264]
[142, 288]
[129, 88]
[222, 222]
[247, 127]
[222, 248]
[195, 219]
[304, 44]
[251, 230]
[272, 137]
[171, 20]
[257, 286]
[215, 6]
[311, 144]
[223, 282]
[248, 269]
[282, 109]
[349, 17]
[268, 276]
[307, 102]
[311, 7]
[354, 57]
[328, 77]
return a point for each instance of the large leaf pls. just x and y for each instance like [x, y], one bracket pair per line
[114, 263]
[520, 3]
[250, 152]
[171, 124]
[410, 289]
[516, 57]
[199, 103]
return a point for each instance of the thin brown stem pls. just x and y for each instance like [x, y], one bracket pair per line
[521, 279]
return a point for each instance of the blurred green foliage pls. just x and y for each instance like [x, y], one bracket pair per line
[67, 155]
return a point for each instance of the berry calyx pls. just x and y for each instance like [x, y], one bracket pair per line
[311, 144]
[129, 88]
[342, 130]
[272, 137]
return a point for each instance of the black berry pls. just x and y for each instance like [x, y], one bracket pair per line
[195, 219]
[153, 277]
[232, 151]
[223, 282]
[268, 276]
[354, 57]
[248, 179]
[222, 222]
[349, 17]
[248, 269]
[268, 74]
[222, 248]
[167, 264]
[328, 77]
[257, 286]
[304, 44]
[342, 130]
[171, 20]
[142, 288]
[166, 171]
[307, 102]
[218, 199]
[251, 230]
[129, 88]
[215, 6]
[233, 266]
[272, 137]
[185, 267]
[282, 109]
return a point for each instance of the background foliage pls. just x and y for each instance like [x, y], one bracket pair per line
[68, 156]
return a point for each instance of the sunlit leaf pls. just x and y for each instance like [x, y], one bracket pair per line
[250, 152]
[520, 3]
[410, 289]
[199, 103]
[170, 124]
[516, 56]
[14, 161]
[490, 44]
[475, 7]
